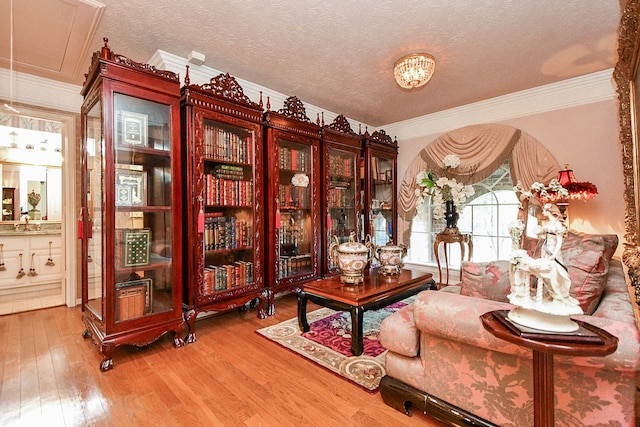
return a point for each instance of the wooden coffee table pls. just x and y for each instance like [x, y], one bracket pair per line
[375, 293]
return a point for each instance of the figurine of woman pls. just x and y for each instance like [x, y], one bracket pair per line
[559, 283]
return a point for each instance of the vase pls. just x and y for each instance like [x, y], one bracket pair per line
[450, 215]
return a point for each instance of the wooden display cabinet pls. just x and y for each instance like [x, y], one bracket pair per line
[130, 225]
[380, 193]
[222, 198]
[341, 203]
[292, 144]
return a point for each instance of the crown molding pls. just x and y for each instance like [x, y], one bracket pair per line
[38, 91]
[201, 74]
[568, 93]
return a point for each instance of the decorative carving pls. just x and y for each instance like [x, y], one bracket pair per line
[226, 86]
[123, 60]
[625, 76]
[341, 124]
[381, 136]
[294, 108]
[106, 54]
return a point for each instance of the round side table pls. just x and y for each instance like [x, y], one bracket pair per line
[598, 343]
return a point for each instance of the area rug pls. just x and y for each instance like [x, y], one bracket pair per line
[328, 343]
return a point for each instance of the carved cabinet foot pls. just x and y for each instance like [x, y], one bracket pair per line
[106, 365]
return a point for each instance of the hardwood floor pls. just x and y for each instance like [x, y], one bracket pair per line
[230, 377]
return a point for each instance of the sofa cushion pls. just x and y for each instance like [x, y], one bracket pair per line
[399, 334]
[586, 257]
[488, 280]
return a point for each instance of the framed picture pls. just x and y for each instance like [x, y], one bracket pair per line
[131, 187]
[134, 128]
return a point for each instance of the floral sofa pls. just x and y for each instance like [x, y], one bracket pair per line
[442, 361]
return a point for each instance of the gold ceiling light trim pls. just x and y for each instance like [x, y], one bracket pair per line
[414, 70]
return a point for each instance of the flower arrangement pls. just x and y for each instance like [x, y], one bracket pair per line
[553, 191]
[442, 189]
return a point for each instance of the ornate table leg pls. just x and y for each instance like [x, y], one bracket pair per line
[357, 346]
[303, 323]
[461, 257]
[436, 253]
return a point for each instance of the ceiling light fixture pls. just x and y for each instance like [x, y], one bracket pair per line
[414, 70]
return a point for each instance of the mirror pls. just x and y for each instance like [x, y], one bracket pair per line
[626, 75]
[30, 168]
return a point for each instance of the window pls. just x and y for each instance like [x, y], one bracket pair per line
[486, 216]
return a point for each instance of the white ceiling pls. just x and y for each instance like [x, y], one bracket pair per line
[335, 54]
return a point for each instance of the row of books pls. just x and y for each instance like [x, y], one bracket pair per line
[341, 198]
[294, 197]
[294, 265]
[290, 234]
[227, 276]
[220, 144]
[339, 166]
[227, 233]
[297, 160]
[227, 192]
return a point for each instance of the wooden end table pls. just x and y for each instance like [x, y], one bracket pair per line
[448, 239]
[376, 292]
[543, 351]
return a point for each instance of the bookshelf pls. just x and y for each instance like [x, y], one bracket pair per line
[341, 186]
[292, 146]
[380, 154]
[223, 199]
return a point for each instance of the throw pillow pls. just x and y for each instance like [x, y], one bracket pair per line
[587, 257]
[487, 280]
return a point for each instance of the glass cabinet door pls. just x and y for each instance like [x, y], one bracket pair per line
[93, 209]
[341, 198]
[142, 193]
[382, 200]
[295, 228]
[228, 178]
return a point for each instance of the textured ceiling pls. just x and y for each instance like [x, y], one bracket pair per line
[338, 55]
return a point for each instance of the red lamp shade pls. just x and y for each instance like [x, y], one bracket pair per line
[577, 190]
[566, 176]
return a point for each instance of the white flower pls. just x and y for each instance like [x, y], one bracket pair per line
[442, 189]
[451, 161]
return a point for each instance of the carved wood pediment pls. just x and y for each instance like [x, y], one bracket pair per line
[294, 108]
[341, 124]
[226, 86]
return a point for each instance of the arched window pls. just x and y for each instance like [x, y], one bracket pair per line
[501, 156]
[486, 217]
